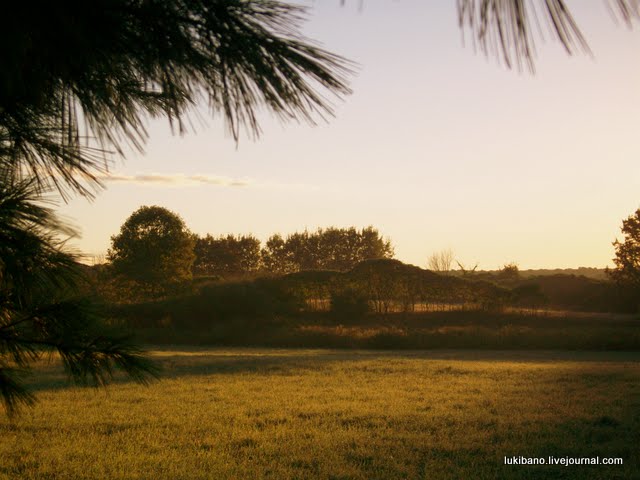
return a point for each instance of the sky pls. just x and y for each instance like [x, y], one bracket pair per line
[438, 147]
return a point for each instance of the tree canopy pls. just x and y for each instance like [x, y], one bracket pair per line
[627, 259]
[227, 256]
[325, 249]
[154, 247]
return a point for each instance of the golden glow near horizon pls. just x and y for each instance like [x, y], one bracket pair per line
[438, 147]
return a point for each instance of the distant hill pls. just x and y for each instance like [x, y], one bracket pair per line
[589, 272]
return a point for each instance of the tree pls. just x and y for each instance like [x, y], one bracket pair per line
[41, 309]
[227, 256]
[627, 259]
[509, 272]
[154, 247]
[372, 246]
[276, 256]
[325, 249]
[441, 261]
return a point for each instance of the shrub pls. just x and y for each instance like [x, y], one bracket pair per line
[350, 303]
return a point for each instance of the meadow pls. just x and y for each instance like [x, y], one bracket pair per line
[331, 414]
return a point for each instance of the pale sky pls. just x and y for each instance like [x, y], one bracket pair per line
[438, 147]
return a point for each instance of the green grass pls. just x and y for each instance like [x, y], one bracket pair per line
[295, 414]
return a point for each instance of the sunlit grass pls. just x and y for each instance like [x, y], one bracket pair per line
[285, 414]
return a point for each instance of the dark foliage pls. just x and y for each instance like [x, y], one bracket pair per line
[507, 28]
[332, 248]
[350, 304]
[255, 301]
[40, 307]
[154, 247]
[227, 256]
[79, 80]
[627, 259]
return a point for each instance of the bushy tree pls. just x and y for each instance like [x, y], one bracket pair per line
[276, 257]
[369, 245]
[325, 249]
[41, 310]
[509, 271]
[154, 247]
[627, 259]
[227, 256]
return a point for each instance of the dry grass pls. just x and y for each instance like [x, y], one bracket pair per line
[293, 414]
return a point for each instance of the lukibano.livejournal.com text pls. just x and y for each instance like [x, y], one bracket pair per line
[566, 461]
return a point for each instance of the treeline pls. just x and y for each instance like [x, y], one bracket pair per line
[587, 272]
[332, 248]
[155, 256]
[381, 287]
[309, 288]
[559, 291]
[155, 252]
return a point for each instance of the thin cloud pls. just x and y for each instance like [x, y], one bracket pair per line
[177, 180]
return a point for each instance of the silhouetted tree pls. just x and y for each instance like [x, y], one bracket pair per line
[325, 249]
[509, 271]
[154, 247]
[227, 256]
[275, 256]
[40, 307]
[627, 259]
[371, 245]
[441, 261]
[302, 250]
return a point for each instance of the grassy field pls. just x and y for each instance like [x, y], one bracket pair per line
[295, 414]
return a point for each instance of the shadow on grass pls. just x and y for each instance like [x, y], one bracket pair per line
[586, 407]
[194, 362]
